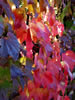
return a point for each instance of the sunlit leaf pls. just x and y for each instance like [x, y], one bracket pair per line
[23, 60]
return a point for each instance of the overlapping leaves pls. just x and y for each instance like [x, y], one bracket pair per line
[51, 69]
[9, 46]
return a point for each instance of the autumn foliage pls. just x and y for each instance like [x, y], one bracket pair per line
[51, 67]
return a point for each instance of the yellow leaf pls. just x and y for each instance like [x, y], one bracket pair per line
[25, 3]
[33, 65]
[35, 1]
[41, 61]
[32, 72]
[27, 93]
[23, 60]
[30, 8]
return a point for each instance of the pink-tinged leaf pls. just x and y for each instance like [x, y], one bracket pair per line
[60, 28]
[57, 29]
[56, 49]
[29, 44]
[61, 87]
[43, 78]
[59, 97]
[66, 98]
[56, 26]
[47, 47]
[63, 98]
[54, 67]
[50, 16]
[40, 30]
[47, 78]
[69, 58]
[40, 60]
[29, 54]
[67, 69]
[51, 19]
[42, 55]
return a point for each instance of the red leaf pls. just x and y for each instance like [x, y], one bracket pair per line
[40, 30]
[18, 18]
[57, 29]
[69, 58]
[56, 49]
[66, 98]
[54, 67]
[29, 44]
[21, 34]
[50, 16]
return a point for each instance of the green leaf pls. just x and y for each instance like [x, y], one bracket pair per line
[4, 73]
[73, 28]
[68, 23]
[63, 14]
[66, 10]
[64, 33]
[1, 19]
[6, 84]
[5, 79]
[74, 49]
